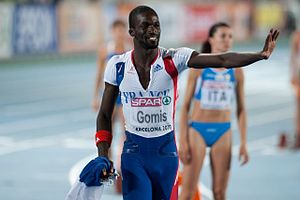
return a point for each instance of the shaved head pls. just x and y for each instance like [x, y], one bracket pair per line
[136, 11]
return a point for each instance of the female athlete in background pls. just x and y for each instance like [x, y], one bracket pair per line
[208, 125]
[118, 45]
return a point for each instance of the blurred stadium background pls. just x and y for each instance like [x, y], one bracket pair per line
[38, 27]
[48, 56]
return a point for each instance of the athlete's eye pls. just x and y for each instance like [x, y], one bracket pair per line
[145, 25]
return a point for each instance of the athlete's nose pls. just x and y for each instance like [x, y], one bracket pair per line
[152, 30]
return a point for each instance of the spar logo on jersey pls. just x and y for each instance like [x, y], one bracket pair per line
[146, 102]
[130, 96]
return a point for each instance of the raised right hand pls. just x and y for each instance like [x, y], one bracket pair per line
[270, 43]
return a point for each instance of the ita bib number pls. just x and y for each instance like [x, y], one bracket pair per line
[216, 95]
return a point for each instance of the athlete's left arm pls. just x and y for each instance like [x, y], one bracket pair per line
[242, 116]
[104, 118]
[233, 59]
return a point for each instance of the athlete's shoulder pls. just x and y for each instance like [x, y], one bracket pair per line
[175, 51]
[113, 65]
[180, 56]
[238, 74]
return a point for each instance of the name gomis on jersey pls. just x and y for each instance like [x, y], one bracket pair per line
[151, 118]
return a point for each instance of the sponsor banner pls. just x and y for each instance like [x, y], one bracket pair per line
[79, 26]
[34, 29]
[6, 13]
[197, 21]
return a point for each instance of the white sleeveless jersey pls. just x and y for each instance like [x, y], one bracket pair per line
[148, 112]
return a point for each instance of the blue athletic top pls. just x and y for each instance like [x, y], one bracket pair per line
[215, 89]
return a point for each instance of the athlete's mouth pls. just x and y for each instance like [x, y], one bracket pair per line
[153, 38]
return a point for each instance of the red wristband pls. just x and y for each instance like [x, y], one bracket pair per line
[103, 136]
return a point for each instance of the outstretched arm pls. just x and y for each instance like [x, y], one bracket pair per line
[105, 114]
[233, 60]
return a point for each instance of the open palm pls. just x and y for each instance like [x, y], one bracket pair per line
[270, 43]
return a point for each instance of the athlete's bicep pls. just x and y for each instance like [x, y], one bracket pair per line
[204, 60]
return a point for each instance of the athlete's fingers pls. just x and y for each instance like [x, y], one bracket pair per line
[246, 159]
[188, 159]
[271, 32]
[267, 42]
[273, 35]
[276, 36]
[243, 158]
[104, 172]
[112, 169]
[184, 156]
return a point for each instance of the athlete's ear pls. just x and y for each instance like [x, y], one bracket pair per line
[210, 40]
[131, 32]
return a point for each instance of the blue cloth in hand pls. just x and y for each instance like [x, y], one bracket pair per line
[92, 174]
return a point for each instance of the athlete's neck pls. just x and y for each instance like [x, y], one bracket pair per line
[144, 57]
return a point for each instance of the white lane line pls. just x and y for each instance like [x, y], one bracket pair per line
[25, 145]
[39, 107]
[45, 121]
[271, 116]
[17, 146]
[263, 102]
[267, 117]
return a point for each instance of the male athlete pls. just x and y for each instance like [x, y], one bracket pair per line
[146, 79]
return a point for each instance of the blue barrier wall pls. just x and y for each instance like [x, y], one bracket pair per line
[34, 29]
